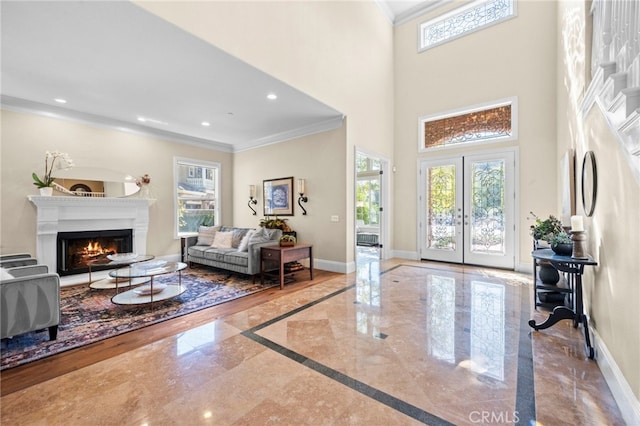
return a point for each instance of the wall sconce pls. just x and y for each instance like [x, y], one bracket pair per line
[302, 198]
[252, 198]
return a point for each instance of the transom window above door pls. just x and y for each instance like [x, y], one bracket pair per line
[491, 122]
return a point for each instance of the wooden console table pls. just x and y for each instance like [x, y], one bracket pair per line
[284, 255]
[574, 268]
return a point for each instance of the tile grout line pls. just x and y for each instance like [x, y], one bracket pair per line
[525, 388]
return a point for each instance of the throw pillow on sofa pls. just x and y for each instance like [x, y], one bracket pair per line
[222, 240]
[244, 244]
[238, 235]
[262, 235]
[206, 235]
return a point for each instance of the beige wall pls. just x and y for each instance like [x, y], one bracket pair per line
[341, 53]
[310, 158]
[513, 58]
[612, 293]
[313, 46]
[26, 137]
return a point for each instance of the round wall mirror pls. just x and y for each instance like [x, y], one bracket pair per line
[589, 183]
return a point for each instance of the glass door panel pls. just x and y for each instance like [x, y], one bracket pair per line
[489, 210]
[441, 199]
[467, 210]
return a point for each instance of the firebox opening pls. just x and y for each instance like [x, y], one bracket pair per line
[75, 249]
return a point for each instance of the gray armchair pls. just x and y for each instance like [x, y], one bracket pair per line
[17, 259]
[30, 301]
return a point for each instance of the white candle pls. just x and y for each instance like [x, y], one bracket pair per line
[252, 191]
[576, 223]
[300, 186]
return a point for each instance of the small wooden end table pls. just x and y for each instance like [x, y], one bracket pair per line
[284, 255]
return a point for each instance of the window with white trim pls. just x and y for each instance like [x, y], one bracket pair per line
[196, 192]
[464, 20]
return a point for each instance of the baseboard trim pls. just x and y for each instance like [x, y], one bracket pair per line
[524, 268]
[405, 254]
[332, 266]
[623, 394]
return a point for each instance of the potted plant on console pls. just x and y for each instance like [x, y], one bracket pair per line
[287, 241]
[561, 244]
[545, 230]
[275, 223]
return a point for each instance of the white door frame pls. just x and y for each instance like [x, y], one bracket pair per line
[420, 226]
[385, 190]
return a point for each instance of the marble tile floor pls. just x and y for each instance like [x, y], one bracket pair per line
[396, 343]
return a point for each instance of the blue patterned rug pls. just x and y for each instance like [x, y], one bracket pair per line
[88, 315]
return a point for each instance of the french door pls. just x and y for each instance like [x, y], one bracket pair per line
[467, 209]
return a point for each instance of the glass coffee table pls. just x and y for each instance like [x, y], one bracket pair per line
[122, 260]
[151, 292]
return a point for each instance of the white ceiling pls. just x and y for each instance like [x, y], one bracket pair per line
[114, 62]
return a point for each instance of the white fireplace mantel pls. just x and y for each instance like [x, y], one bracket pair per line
[74, 214]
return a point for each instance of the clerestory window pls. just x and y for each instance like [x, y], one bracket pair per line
[464, 20]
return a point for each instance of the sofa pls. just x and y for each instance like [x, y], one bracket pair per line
[29, 298]
[230, 248]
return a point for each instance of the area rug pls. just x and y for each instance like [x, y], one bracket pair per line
[88, 315]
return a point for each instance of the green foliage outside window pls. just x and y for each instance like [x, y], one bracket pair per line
[367, 202]
[190, 220]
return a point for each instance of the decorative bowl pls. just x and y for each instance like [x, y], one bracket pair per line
[145, 290]
[150, 264]
[122, 257]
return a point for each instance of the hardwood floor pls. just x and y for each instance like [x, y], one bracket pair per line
[21, 377]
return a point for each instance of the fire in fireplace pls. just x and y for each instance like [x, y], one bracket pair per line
[76, 249]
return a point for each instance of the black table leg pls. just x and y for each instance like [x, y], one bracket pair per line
[576, 315]
[587, 338]
[559, 313]
[582, 318]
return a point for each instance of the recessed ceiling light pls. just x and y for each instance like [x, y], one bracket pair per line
[272, 96]
[60, 100]
[206, 124]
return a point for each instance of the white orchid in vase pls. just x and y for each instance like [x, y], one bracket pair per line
[52, 161]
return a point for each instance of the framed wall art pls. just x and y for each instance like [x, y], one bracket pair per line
[278, 196]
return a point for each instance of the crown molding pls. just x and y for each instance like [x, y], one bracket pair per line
[24, 105]
[331, 124]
